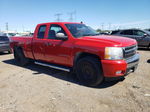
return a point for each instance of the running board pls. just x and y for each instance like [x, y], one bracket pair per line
[53, 66]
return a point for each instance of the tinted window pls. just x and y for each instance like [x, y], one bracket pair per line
[11, 34]
[114, 32]
[54, 29]
[41, 31]
[4, 38]
[127, 32]
[138, 33]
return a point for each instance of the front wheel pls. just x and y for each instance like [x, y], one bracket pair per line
[89, 71]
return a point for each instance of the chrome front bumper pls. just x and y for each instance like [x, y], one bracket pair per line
[134, 60]
[132, 63]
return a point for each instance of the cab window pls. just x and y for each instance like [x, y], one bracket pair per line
[127, 32]
[41, 32]
[138, 33]
[54, 29]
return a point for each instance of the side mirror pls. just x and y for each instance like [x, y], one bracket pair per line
[61, 36]
[145, 35]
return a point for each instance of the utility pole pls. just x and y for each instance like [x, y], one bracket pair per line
[23, 28]
[7, 27]
[75, 13]
[109, 26]
[72, 16]
[102, 25]
[58, 17]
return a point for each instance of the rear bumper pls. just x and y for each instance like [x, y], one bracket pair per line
[118, 68]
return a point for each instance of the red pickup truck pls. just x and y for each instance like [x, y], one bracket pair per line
[76, 47]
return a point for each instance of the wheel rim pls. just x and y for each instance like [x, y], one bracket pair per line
[87, 71]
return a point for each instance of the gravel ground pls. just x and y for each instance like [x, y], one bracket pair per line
[39, 89]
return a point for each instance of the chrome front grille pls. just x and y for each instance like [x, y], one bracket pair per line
[130, 51]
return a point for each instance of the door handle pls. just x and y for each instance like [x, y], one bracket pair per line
[48, 44]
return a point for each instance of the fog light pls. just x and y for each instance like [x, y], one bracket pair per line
[118, 72]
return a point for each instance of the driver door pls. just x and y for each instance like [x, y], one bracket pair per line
[141, 39]
[58, 50]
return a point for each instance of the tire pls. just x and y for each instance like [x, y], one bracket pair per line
[148, 47]
[20, 57]
[89, 71]
[9, 52]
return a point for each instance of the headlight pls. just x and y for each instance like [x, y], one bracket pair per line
[113, 53]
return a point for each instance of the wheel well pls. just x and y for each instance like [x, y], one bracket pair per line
[17, 47]
[83, 54]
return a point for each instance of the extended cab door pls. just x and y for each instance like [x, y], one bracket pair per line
[38, 45]
[57, 51]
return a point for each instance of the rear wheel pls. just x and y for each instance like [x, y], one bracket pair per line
[9, 52]
[20, 57]
[89, 71]
[148, 47]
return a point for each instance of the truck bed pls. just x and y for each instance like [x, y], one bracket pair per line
[25, 42]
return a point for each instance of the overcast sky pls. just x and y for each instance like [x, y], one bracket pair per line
[106, 14]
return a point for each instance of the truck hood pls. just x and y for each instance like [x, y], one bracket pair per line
[111, 40]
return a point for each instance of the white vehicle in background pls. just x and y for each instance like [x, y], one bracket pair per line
[8, 33]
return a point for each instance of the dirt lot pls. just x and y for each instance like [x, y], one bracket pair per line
[39, 89]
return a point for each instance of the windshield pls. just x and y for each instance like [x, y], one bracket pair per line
[80, 30]
[11, 34]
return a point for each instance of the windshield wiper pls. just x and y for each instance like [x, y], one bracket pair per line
[96, 34]
[91, 34]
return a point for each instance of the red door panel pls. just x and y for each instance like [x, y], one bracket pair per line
[59, 51]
